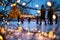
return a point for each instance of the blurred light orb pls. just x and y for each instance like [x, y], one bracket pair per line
[38, 11]
[39, 31]
[28, 33]
[54, 36]
[1, 38]
[2, 4]
[20, 28]
[7, 23]
[3, 8]
[45, 34]
[50, 35]
[54, 16]
[19, 22]
[42, 33]
[23, 4]
[14, 4]
[36, 6]
[49, 4]
[18, 1]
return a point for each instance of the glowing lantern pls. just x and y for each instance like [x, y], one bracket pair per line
[39, 11]
[54, 36]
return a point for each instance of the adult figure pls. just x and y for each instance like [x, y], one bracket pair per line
[22, 20]
[37, 19]
[29, 19]
[42, 18]
[50, 14]
[18, 18]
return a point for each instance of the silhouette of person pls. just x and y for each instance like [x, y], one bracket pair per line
[29, 19]
[1, 16]
[42, 18]
[18, 18]
[22, 20]
[50, 14]
[56, 19]
[37, 18]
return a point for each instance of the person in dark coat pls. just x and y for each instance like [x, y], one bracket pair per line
[56, 19]
[42, 18]
[18, 18]
[37, 19]
[22, 20]
[1, 16]
[29, 19]
[50, 14]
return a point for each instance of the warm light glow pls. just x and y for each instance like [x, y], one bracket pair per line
[18, 1]
[24, 4]
[28, 33]
[42, 32]
[20, 28]
[50, 34]
[49, 4]
[39, 11]
[54, 36]
[54, 16]
[2, 30]
[45, 34]
[36, 6]
[13, 4]
[1, 38]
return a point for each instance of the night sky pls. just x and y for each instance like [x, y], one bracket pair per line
[32, 4]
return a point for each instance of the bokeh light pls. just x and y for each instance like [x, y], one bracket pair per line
[49, 4]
